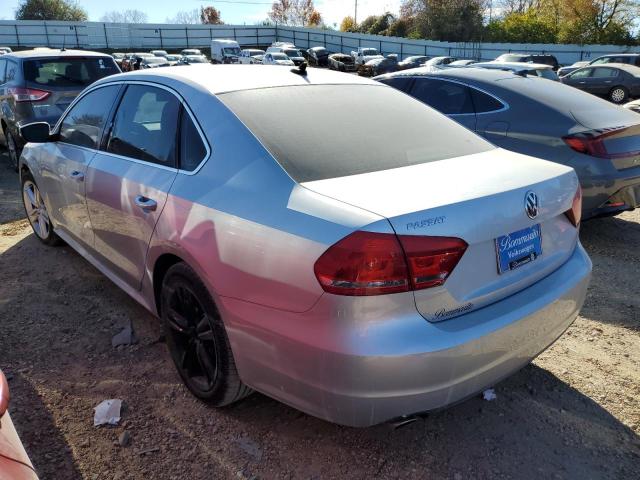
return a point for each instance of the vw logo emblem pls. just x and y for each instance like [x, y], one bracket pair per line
[531, 204]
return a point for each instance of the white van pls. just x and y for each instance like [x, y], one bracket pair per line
[224, 51]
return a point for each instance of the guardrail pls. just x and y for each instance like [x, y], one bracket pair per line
[99, 35]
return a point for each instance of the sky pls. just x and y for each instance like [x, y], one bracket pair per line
[232, 11]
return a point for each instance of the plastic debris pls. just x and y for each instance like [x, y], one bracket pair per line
[126, 337]
[489, 394]
[107, 412]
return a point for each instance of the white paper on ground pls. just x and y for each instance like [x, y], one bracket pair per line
[489, 394]
[107, 412]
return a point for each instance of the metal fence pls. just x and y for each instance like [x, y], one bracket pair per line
[98, 35]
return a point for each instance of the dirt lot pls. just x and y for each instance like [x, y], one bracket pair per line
[573, 413]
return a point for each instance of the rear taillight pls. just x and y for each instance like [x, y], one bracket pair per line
[368, 263]
[575, 213]
[431, 259]
[28, 94]
[595, 143]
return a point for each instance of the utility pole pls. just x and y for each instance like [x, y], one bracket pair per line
[355, 15]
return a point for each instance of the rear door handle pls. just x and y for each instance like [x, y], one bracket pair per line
[146, 204]
[77, 176]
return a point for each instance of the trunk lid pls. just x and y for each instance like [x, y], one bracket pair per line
[477, 198]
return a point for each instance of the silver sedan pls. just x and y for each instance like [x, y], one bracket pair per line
[359, 265]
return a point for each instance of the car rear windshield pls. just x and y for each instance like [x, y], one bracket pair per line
[377, 128]
[511, 58]
[68, 72]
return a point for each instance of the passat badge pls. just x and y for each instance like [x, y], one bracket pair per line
[531, 204]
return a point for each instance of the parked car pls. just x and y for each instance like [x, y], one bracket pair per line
[544, 58]
[633, 106]
[38, 85]
[412, 62]
[562, 71]
[224, 51]
[154, 62]
[14, 461]
[274, 261]
[277, 58]
[379, 66]
[250, 55]
[190, 59]
[133, 61]
[547, 120]
[118, 57]
[438, 61]
[290, 51]
[342, 62]
[173, 59]
[616, 81]
[462, 63]
[533, 69]
[363, 54]
[628, 58]
[318, 57]
[4, 50]
[190, 52]
[159, 53]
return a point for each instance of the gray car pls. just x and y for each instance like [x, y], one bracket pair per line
[357, 280]
[616, 81]
[544, 119]
[38, 85]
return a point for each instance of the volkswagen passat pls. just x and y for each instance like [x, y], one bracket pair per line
[400, 266]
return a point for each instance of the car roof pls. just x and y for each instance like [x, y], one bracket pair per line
[53, 53]
[219, 79]
[522, 65]
[618, 55]
[484, 74]
[632, 69]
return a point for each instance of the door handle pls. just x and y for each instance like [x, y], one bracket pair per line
[77, 176]
[146, 204]
[582, 83]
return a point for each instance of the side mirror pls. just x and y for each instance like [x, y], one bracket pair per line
[4, 394]
[37, 132]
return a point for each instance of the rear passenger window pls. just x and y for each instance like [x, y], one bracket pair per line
[401, 83]
[3, 67]
[192, 149]
[604, 72]
[447, 97]
[484, 103]
[145, 125]
[84, 123]
[12, 69]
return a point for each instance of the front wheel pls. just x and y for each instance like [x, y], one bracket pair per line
[197, 339]
[36, 211]
[618, 95]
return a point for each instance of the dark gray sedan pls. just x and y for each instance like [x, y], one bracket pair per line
[616, 81]
[543, 119]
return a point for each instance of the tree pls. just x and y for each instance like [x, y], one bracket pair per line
[210, 16]
[348, 24]
[400, 28]
[527, 27]
[445, 20]
[127, 16]
[295, 12]
[50, 10]
[191, 17]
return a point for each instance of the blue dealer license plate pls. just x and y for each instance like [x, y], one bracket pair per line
[518, 248]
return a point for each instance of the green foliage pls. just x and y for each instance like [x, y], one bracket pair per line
[527, 27]
[50, 10]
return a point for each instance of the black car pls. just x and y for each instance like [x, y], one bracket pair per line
[616, 81]
[544, 58]
[378, 66]
[38, 85]
[414, 61]
[318, 56]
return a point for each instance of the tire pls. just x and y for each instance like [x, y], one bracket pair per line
[618, 95]
[197, 339]
[36, 211]
[14, 151]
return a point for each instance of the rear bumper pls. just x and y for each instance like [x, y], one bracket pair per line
[362, 363]
[600, 192]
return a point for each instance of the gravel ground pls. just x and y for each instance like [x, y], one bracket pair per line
[573, 413]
